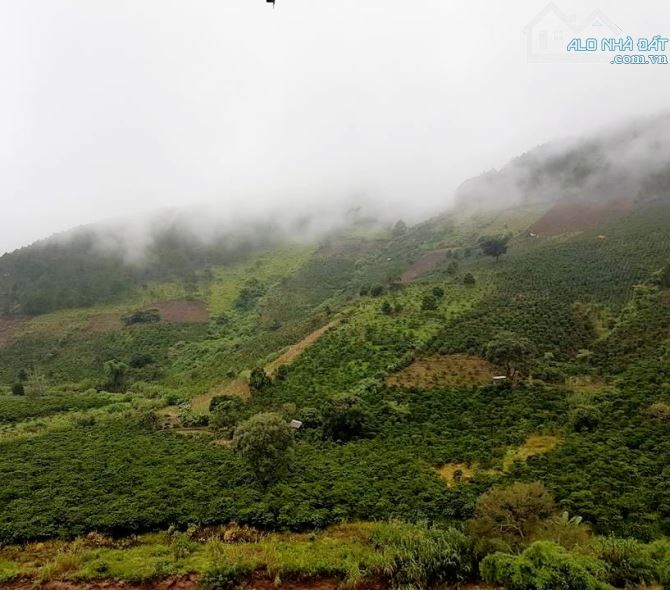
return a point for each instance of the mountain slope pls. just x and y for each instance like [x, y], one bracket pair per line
[112, 419]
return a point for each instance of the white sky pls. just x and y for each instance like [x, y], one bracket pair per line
[113, 107]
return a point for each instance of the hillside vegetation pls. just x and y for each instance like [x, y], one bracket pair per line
[477, 401]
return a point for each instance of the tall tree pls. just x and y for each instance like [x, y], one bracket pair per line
[511, 352]
[264, 442]
[494, 246]
[511, 514]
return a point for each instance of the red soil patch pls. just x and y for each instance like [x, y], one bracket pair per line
[8, 327]
[425, 264]
[578, 215]
[444, 370]
[182, 311]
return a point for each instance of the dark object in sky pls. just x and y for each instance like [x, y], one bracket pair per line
[271, 2]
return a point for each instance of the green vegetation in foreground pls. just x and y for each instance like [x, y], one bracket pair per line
[399, 555]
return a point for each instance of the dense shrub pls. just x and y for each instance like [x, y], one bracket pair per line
[543, 566]
[226, 411]
[628, 561]
[259, 380]
[585, 418]
[345, 417]
[147, 316]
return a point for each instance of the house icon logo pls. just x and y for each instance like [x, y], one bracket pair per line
[548, 34]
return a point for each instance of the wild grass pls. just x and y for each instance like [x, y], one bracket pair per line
[346, 552]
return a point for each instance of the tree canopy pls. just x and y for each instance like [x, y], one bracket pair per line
[264, 441]
[494, 246]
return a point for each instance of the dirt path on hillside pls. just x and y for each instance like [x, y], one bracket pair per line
[295, 350]
[425, 264]
[240, 388]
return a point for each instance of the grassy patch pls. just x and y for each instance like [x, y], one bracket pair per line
[347, 552]
[267, 268]
[534, 445]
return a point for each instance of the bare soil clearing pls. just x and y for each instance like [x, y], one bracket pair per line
[182, 311]
[444, 370]
[578, 215]
[425, 264]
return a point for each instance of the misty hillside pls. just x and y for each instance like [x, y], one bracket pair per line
[109, 261]
[631, 162]
[608, 173]
[349, 403]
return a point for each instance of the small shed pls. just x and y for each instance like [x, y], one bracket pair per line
[295, 424]
[499, 378]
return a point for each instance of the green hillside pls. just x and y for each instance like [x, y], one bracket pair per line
[124, 402]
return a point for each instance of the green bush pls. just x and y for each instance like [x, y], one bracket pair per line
[659, 552]
[190, 419]
[663, 572]
[585, 418]
[628, 561]
[543, 566]
[226, 411]
[259, 380]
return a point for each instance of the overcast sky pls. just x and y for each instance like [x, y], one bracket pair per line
[112, 107]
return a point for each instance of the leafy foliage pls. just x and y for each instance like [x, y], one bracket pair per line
[543, 566]
[265, 441]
